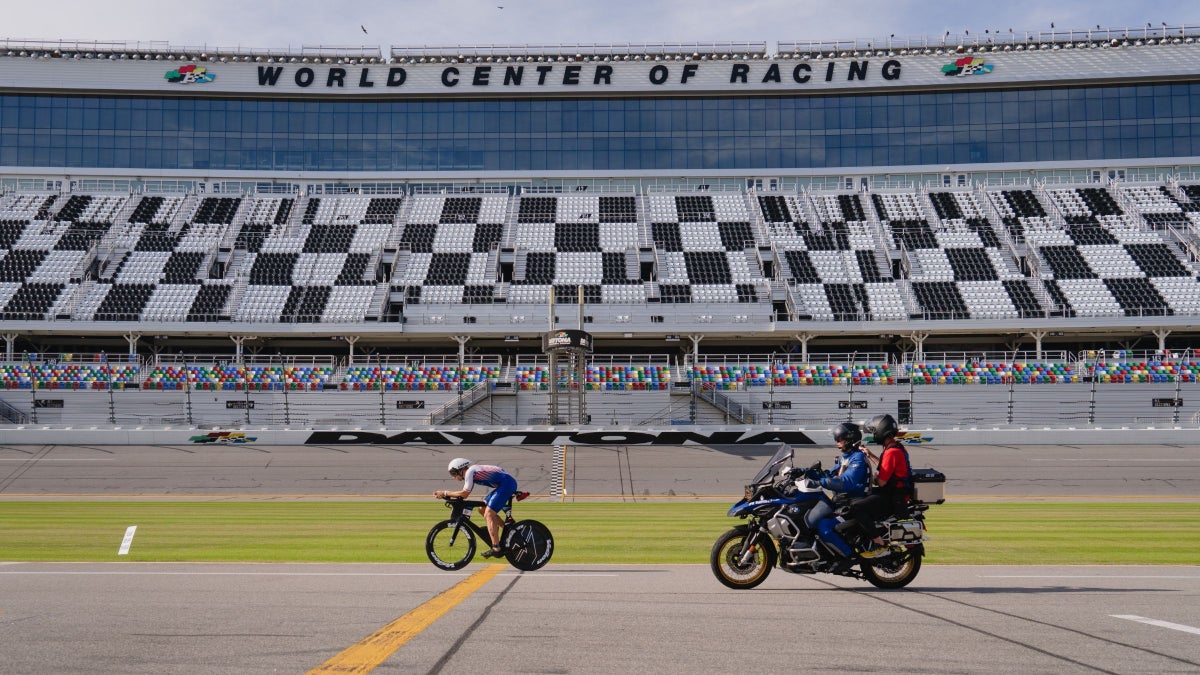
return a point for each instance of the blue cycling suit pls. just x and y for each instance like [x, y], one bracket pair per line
[503, 485]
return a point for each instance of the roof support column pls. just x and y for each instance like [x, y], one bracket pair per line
[1037, 336]
[132, 339]
[918, 340]
[238, 343]
[1162, 334]
[695, 347]
[803, 339]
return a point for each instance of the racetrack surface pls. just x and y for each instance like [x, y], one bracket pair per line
[611, 472]
[235, 618]
[192, 618]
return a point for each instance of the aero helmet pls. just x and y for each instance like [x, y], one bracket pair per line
[458, 464]
[847, 431]
[882, 427]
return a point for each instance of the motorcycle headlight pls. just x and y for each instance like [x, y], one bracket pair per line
[749, 493]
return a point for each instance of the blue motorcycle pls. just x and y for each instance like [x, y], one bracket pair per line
[775, 533]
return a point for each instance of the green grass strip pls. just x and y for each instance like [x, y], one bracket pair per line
[649, 532]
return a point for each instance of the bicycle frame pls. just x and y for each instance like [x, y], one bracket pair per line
[461, 515]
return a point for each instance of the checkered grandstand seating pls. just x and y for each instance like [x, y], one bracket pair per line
[1106, 262]
[889, 255]
[833, 264]
[452, 243]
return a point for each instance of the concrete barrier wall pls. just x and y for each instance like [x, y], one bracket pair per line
[544, 435]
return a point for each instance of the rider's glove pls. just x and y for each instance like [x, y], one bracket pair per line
[812, 474]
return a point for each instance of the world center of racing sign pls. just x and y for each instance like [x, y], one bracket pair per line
[865, 73]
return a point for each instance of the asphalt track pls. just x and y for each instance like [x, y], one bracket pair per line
[609, 472]
[235, 618]
[172, 618]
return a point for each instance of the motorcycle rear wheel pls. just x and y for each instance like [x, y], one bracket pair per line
[895, 571]
[726, 556]
[445, 555]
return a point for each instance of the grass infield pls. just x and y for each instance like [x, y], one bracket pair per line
[1155, 533]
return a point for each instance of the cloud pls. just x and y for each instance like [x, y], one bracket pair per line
[275, 23]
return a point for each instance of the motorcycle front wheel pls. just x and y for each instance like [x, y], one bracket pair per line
[895, 571]
[528, 545]
[733, 567]
[450, 547]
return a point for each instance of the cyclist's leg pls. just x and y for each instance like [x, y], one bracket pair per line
[496, 500]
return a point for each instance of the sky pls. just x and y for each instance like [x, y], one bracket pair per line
[298, 23]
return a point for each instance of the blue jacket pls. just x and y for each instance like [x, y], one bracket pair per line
[855, 474]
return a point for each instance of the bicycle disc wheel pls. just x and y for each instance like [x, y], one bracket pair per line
[528, 545]
[450, 547]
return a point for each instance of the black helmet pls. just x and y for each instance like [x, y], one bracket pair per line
[882, 427]
[847, 431]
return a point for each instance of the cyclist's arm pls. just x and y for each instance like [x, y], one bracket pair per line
[468, 486]
[460, 494]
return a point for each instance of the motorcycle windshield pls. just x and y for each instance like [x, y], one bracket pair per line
[781, 458]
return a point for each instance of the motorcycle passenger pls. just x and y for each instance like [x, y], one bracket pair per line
[503, 487]
[893, 483]
[849, 477]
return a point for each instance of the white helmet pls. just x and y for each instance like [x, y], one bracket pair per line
[458, 464]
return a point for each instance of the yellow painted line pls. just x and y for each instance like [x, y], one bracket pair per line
[365, 655]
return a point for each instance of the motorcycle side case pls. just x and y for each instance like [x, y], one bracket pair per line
[929, 485]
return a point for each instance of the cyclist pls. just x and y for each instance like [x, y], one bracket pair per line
[503, 487]
[849, 478]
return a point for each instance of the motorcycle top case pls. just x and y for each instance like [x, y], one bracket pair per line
[929, 485]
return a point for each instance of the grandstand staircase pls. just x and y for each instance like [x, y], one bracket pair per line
[633, 267]
[379, 301]
[67, 306]
[717, 399]
[10, 414]
[112, 264]
[1187, 240]
[519, 260]
[457, 407]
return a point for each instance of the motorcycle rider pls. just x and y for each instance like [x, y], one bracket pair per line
[893, 488]
[849, 477]
[503, 488]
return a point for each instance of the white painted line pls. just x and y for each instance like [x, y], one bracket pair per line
[1093, 460]
[1090, 576]
[127, 541]
[1156, 622]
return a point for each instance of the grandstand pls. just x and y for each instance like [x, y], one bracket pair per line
[737, 226]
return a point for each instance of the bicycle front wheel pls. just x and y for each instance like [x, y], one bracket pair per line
[450, 546]
[528, 545]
